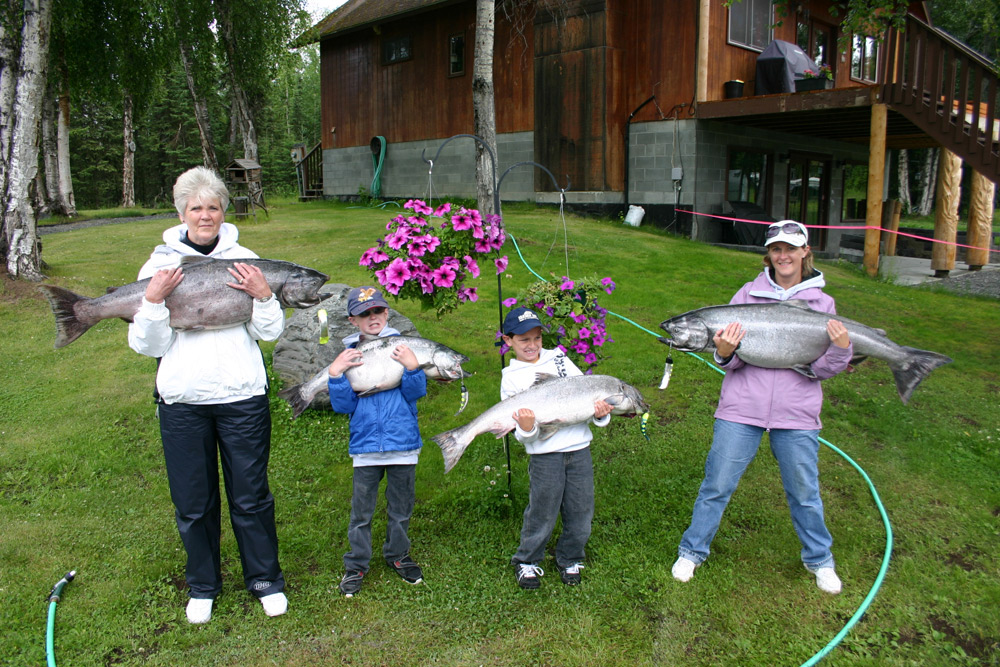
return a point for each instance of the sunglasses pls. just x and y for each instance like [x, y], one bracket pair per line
[373, 311]
[787, 228]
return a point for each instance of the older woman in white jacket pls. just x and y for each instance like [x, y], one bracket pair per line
[212, 400]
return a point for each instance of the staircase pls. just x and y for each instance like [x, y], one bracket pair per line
[310, 171]
[947, 90]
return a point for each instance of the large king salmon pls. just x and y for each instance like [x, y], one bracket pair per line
[790, 334]
[379, 371]
[556, 402]
[201, 301]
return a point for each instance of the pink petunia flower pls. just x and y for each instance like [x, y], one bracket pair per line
[444, 276]
[461, 222]
[501, 264]
[467, 294]
[441, 210]
[584, 332]
[507, 303]
[483, 246]
[567, 284]
[590, 358]
[580, 347]
[418, 206]
[471, 266]
[397, 273]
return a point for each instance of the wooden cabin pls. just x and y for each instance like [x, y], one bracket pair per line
[626, 100]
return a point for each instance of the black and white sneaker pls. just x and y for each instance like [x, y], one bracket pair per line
[527, 575]
[571, 575]
[408, 569]
[351, 583]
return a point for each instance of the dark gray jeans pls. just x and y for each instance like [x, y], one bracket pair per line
[400, 496]
[561, 484]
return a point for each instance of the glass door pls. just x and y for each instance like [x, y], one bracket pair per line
[808, 199]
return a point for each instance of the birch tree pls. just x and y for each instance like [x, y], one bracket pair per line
[928, 178]
[483, 104]
[903, 172]
[19, 239]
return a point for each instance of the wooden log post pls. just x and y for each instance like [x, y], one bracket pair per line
[893, 226]
[948, 193]
[876, 180]
[980, 221]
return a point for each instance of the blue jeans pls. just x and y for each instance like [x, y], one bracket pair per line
[733, 448]
[400, 498]
[560, 483]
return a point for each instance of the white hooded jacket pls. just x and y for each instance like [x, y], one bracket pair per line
[211, 366]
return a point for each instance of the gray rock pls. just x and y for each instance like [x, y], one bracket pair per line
[298, 354]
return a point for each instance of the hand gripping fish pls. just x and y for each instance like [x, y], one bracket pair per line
[556, 402]
[379, 371]
[792, 335]
[201, 301]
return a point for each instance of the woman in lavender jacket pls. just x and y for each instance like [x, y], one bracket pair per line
[780, 401]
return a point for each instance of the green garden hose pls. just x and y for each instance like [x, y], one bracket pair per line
[871, 487]
[54, 594]
[378, 158]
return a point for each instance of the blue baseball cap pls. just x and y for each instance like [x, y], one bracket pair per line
[519, 321]
[363, 299]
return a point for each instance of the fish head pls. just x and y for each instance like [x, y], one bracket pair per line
[300, 288]
[688, 332]
[628, 401]
[447, 364]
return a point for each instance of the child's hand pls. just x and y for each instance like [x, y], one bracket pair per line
[349, 358]
[405, 356]
[525, 418]
[601, 409]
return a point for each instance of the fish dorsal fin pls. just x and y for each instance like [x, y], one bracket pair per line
[542, 378]
[188, 260]
[797, 303]
[364, 338]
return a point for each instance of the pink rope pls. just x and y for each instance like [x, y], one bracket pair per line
[881, 229]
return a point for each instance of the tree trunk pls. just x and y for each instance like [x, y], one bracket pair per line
[128, 150]
[47, 189]
[8, 84]
[243, 114]
[928, 176]
[67, 202]
[200, 112]
[20, 240]
[904, 179]
[484, 109]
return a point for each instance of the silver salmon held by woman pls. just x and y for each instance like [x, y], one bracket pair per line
[380, 371]
[556, 402]
[790, 334]
[201, 301]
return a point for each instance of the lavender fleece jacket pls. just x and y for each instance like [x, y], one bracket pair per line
[779, 397]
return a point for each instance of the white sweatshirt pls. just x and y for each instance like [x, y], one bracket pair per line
[520, 375]
[204, 367]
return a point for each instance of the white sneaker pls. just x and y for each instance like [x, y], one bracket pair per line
[683, 569]
[275, 604]
[199, 610]
[827, 580]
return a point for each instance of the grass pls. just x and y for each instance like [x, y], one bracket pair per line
[82, 485]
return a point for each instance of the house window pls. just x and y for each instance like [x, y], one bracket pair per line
[855, 195]
[864, 58]
[456, 55]
[817, 41]
[747, 177]
[397, 50]
[750, 23]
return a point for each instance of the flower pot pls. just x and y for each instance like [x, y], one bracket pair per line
[818, 83]
[731, 89]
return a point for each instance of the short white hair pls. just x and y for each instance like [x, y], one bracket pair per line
[199, 182]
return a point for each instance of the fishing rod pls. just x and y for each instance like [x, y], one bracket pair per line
[53, 598]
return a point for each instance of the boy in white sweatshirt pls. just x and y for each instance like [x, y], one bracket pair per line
[561, 471]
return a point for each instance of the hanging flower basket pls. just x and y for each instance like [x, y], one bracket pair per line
[816, 83]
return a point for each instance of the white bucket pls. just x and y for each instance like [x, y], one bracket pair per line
[634, 215]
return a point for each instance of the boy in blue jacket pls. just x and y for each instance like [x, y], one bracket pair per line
[385, 441]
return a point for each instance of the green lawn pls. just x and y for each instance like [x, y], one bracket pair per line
[82, 485]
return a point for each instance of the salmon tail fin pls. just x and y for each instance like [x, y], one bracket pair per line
[68, 326]
[296, 398]
[452, 444]
[917, 365]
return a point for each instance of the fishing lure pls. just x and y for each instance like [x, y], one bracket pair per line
[642, 425]
[668, 369]
[465, 399]
[324, 328]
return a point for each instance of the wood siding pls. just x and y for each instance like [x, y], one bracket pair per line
[416, 99]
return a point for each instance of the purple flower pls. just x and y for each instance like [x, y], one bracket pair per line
[397, 273]
[426, 282]
[392, 289]
[483, 246]
[432, 242]
[579, 319]
[609, 285]
[567, 284]
[584, 332]
[471, 266]
[467, 294]
[398, 238]
[477, 218]
[417, 247]
[591, 358]
[461, 222]
[504, 348]
[562, 348]
[501, 264]
[478, 233]
[452, 262]
[549, 311]
[581, 347]
[444, 276]
[415, 221]
[442, 209]
[368, 257]
[507, 303]
[418, 206]
[598, 339]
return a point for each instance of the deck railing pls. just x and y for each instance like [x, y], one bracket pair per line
[311, 174]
